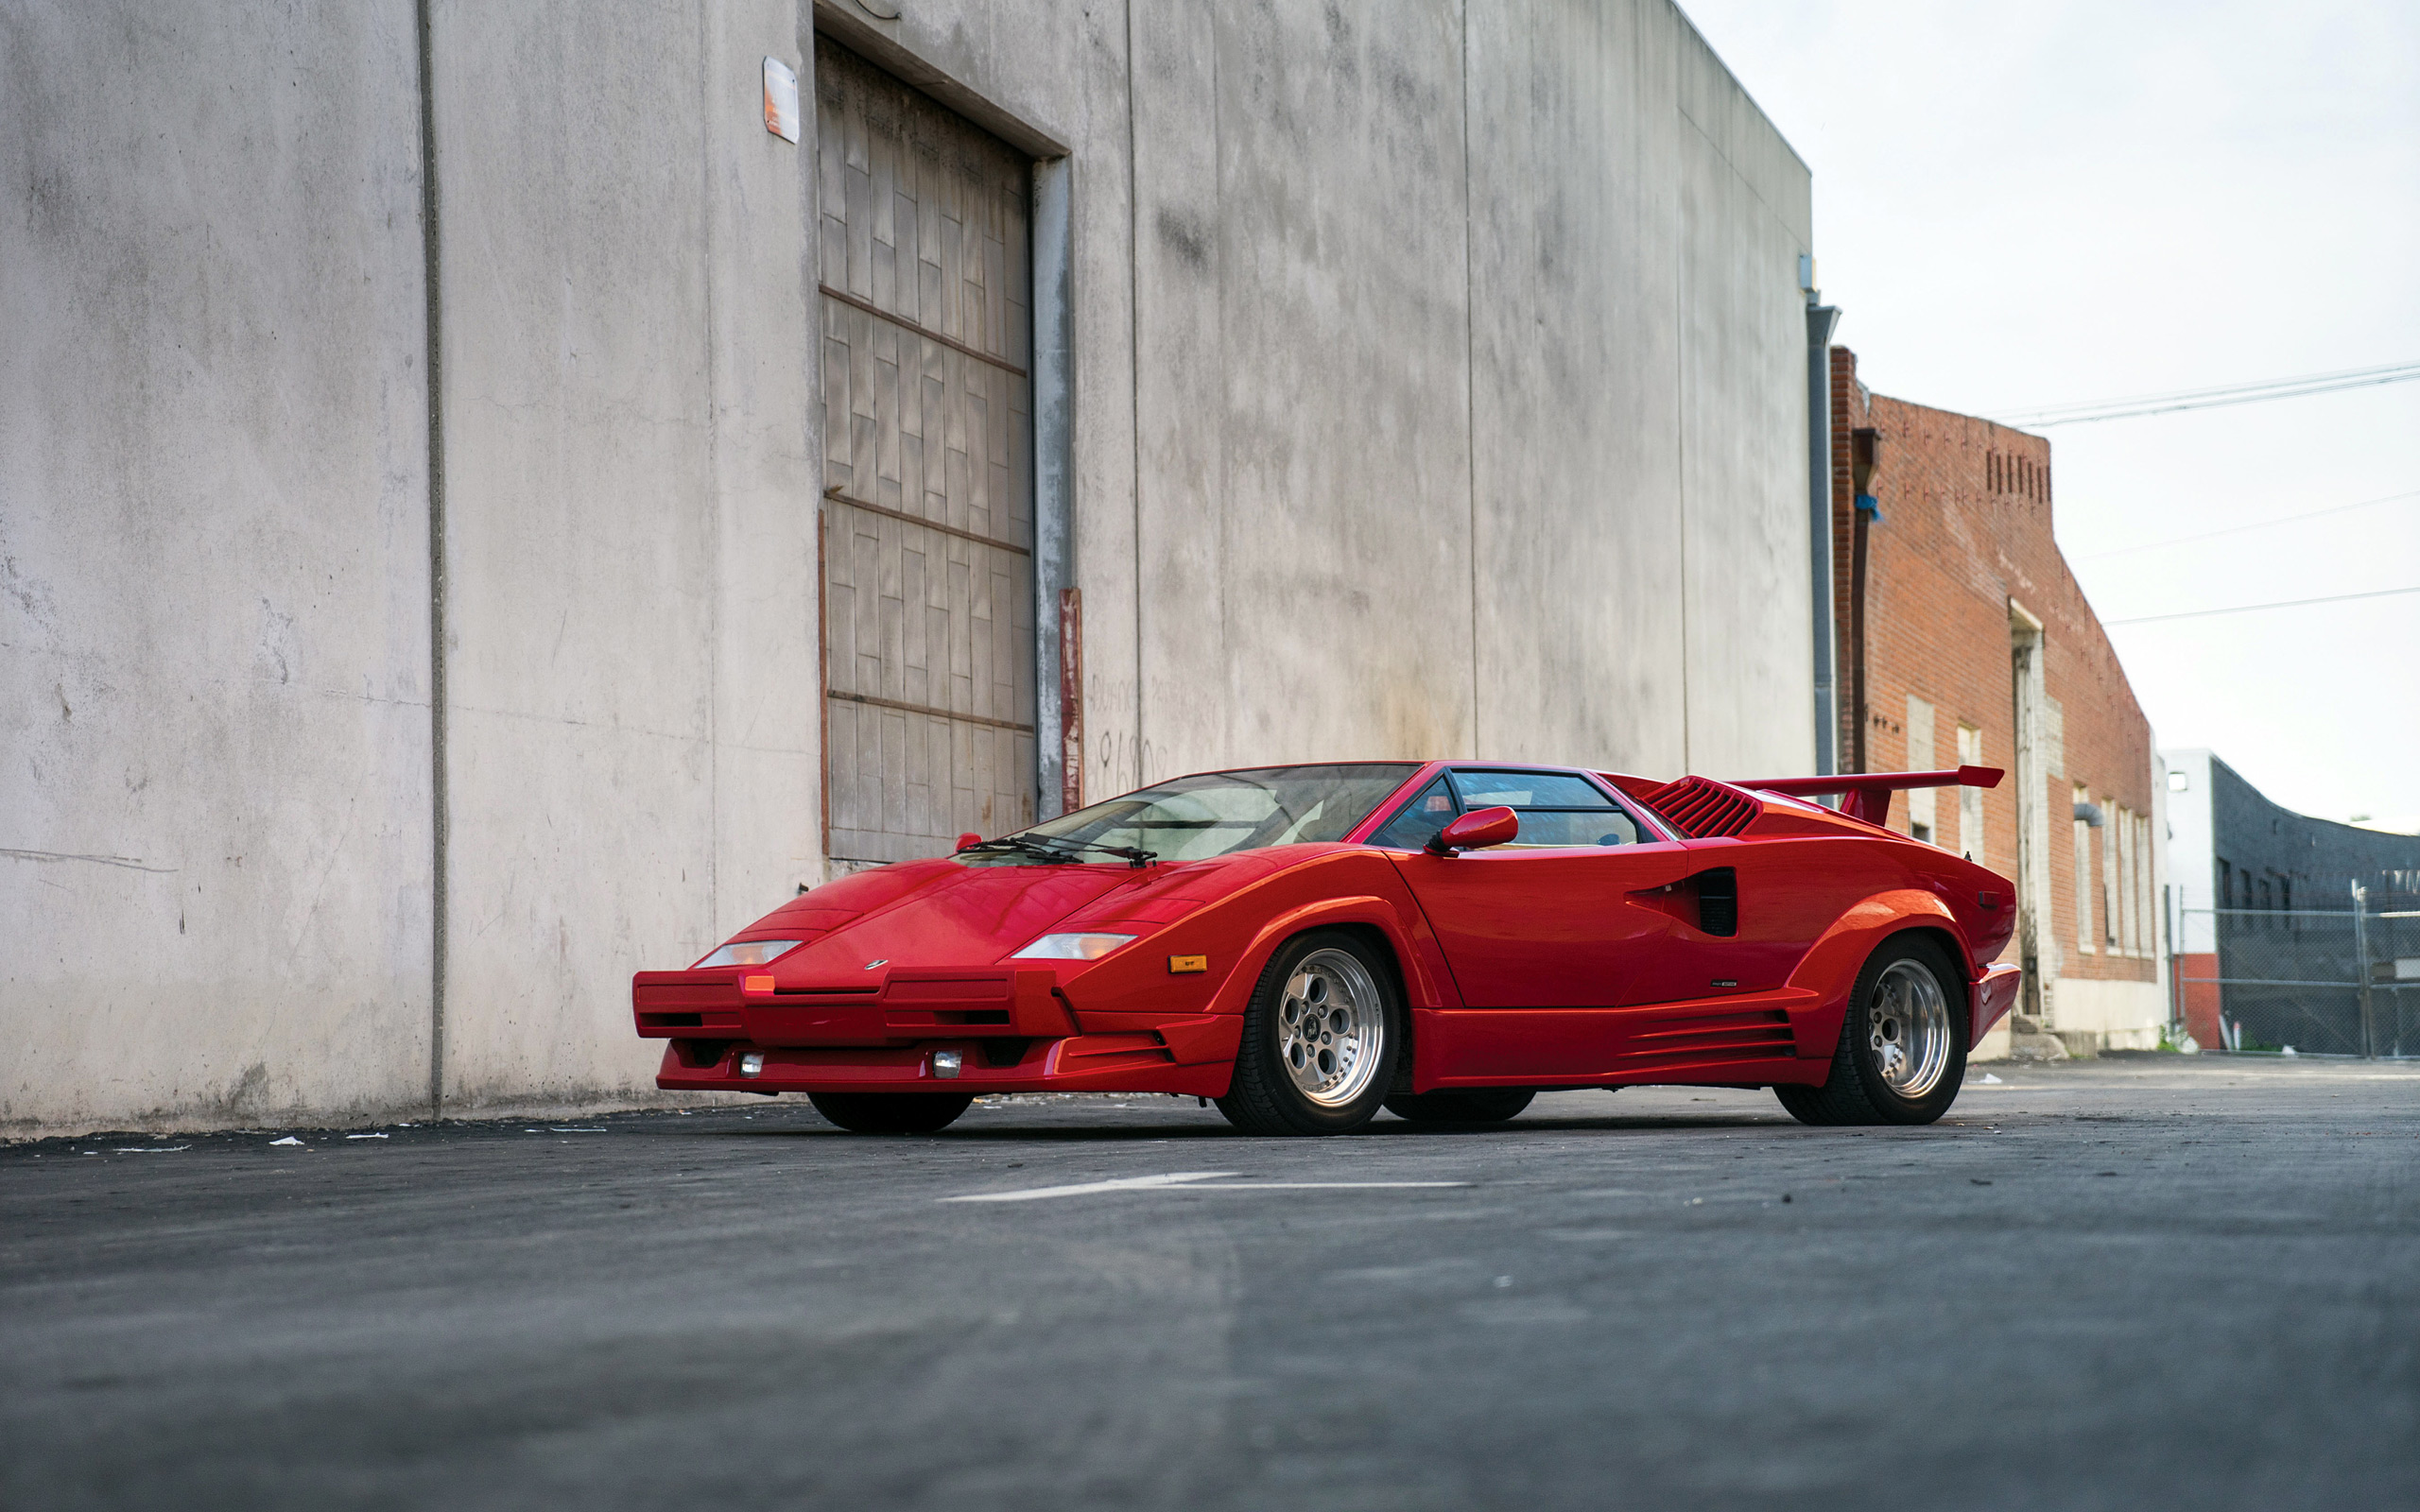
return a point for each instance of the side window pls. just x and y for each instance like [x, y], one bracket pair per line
[1417, 822]
[1556, 809]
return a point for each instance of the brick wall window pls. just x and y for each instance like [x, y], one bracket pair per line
[2138, 917]
[2121, 881]
[1968, 841]
[2108, 877]
[1921, 800]
[2129, 931]
[2084, 941]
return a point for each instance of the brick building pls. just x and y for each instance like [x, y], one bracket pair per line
[1978, 646]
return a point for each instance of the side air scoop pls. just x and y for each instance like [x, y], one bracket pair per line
[1867, 795]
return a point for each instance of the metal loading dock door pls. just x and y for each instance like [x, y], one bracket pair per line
[928, 633]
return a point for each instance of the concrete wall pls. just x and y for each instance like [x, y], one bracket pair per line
[631, 638]
[1440, 378]
[215, 811]
[1435, 385]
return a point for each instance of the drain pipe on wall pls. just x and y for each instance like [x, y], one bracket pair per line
[1821, 321]
[1864, 443]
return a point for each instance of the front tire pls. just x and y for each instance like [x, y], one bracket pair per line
[891, 1112]
[1471, 1105]
[1320, 1038]
[1902, 1054]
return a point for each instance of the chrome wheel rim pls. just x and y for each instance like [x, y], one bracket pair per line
[1908, 1029]
[1331, 1027]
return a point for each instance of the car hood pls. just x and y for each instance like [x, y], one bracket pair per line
[929, 913]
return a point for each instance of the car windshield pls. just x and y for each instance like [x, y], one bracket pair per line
[1216, 812]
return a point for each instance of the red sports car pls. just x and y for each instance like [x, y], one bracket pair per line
[1307, 944]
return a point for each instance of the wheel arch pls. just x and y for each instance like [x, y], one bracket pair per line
[1372, 918]
[1392, 959]
[1831, 965]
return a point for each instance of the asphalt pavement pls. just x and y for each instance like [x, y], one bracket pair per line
[2141, 1283]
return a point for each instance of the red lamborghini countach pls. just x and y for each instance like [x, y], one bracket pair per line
[1307, 944]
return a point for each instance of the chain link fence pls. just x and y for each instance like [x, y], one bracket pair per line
[2332, 982]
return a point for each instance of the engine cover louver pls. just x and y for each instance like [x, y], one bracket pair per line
[1703, 809]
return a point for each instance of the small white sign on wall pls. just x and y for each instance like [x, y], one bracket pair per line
[781, 99]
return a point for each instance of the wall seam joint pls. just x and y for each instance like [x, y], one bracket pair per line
[432, 321]
[1470, 376]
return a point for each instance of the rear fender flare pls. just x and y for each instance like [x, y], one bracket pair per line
[1831, 965]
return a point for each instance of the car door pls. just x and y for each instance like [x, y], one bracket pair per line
[1547, 936]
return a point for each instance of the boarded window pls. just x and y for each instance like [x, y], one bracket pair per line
[929, 629]
[2084, 876]
[1921, 800]
[1968, 841]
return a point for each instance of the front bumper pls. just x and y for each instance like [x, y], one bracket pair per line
[1013, 1028]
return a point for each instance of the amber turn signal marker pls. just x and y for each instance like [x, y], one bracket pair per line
[755, 984]
[1179, 965]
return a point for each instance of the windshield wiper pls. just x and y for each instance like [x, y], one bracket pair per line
[1051, 848]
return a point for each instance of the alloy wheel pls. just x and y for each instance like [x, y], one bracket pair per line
[1331, 1027]
[1908, 1029]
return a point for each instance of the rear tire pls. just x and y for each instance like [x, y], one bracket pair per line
[1902, 1054]
[1469, 1105]
[891, 1112]
[1320, 1038]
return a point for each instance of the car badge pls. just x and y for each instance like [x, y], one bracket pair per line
[871, 965]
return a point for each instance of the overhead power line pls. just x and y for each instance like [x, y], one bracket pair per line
[2256, 524]
[2044, 417]
[2247, 608]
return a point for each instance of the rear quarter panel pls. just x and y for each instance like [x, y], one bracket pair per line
[1894, 885]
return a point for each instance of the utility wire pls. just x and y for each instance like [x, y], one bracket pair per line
[2247, 608]
[2218, 391]
[2044, 417]
[2256, 524]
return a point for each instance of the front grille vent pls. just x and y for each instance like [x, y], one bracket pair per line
[1703, 809]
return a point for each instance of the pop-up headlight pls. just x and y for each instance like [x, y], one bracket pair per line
[1071, 947]
[748, 952]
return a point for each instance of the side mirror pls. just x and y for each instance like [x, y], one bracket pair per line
[970, 837]
[1475, 830]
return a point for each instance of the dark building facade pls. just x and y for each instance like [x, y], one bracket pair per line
[2288, 930]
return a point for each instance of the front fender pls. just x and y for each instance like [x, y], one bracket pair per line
[1422, 974]
[1234, 937]
[1830, 968]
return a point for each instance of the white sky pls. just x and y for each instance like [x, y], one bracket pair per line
[2026, 204]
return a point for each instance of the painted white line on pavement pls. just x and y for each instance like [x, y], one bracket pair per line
[1312, 1186]
[1189, 1180]
[1129, 1183]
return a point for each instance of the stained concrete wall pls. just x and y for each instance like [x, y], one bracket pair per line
[630, 652]
[215, 816]
[1436, 387]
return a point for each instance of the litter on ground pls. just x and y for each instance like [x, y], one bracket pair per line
[289, 1140]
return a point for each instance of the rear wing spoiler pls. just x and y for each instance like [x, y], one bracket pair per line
[1867, 795]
